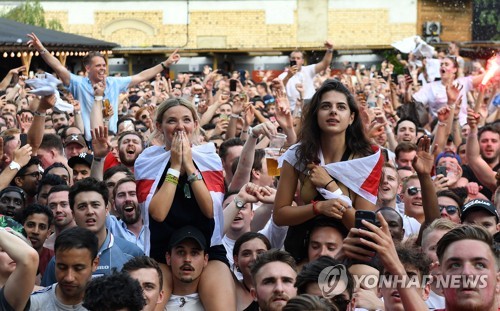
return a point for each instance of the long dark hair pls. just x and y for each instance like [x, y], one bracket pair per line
[356, 141]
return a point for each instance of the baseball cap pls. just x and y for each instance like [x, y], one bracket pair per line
[268, 99]
[82, 158]
[448, 154]
[187, 232]
[75, 138]
[479, 205]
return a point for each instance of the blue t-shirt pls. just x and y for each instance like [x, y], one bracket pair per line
[114, 253]
[82, 90]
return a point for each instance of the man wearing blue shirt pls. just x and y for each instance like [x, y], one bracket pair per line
[129, 225]
[82, 88]
[88, 199]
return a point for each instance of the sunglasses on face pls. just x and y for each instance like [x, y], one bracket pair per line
[142, 129]
[450, 209]
[413, 190]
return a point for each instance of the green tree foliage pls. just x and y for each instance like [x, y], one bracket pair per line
[488, 15]
[31, 12]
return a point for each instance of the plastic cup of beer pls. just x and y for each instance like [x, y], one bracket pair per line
[277, 141]
[272, 155]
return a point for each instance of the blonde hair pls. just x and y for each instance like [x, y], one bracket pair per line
[440, 224]
[174, 102]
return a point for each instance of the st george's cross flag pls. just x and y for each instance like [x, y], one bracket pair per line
[361, 175]
[149, 168]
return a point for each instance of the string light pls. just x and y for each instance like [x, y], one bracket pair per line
[5, 54]
[18, 54]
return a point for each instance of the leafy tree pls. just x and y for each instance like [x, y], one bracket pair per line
[31, 12]
[487, 20]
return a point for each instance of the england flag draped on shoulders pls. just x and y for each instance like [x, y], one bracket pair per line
[149, 168]
[361, 175]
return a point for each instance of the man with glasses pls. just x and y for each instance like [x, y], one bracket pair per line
[450, 205]
[28, 178]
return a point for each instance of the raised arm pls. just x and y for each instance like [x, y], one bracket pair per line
[8, 78]
[422, 163]
[150, 73]
[244, 169]
[480, 168]
[19, 285]
[49, 59]
[37, 128]
[327, 59]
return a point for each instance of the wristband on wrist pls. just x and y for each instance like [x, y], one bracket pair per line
[172, 179]
[315, 208]
[164, 66]
[43, 51]
[235, 115]
[174, 172]
[329, 183]
[98, 98]
[329, 50]
[97, 159]
[39, 114]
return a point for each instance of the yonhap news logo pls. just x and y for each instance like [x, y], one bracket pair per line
[333, 281]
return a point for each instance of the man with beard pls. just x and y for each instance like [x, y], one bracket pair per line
[129, 224]
[467, 251]
[187, 257]
[28, 178]
[273, 274]
[76, 259]
[484, 142]
[130, 145]
[82, 88]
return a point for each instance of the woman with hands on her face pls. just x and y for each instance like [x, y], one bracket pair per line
[179, 184]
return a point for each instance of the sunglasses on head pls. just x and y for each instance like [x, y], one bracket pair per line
[413, 190]
[450, 209]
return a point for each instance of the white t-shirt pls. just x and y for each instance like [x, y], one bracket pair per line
[410, 224]
[304, 76]
[190, 302]
[46, 299]
[435, 301]
[434, 96]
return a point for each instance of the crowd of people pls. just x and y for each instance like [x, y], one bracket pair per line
[223, 193]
